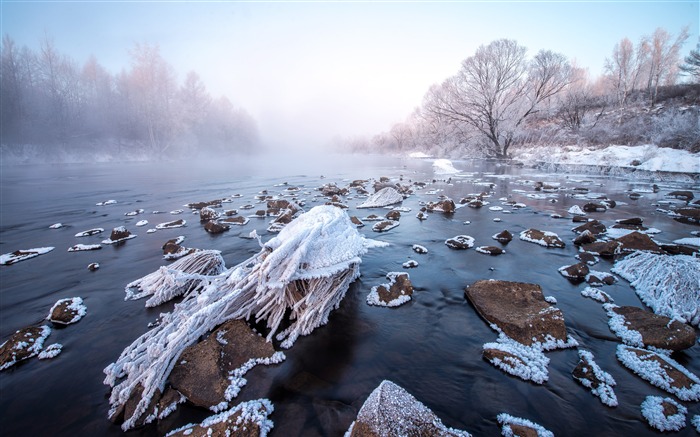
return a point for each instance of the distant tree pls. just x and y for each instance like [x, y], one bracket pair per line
[497, 89]
[664, 58]
[577, 100]
[625, 67]
[691, 67]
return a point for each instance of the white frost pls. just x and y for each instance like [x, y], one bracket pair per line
[576, 210]
[251, 412]
[444, 166]
[605, 381]
[385, 196]
[506, 420]
[695, 241]
[596, 294]
[653, 412]
[669, 284]
[51, 351]
[23, 254]
[76, 305]
[83, 247]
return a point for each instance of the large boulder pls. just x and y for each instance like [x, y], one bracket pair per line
[392, 411]
[518, 309]
[203, 369]
[638, 241]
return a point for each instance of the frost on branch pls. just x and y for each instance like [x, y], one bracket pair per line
[304, 272]
[668, 284]
[177, 279]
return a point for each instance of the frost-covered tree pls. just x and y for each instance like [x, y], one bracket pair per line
[625, 67]
[664, 56]
[691, 67]
[497, 89]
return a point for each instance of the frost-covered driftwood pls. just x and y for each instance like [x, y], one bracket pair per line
[304, 271]
[670, 285]
[177, 279]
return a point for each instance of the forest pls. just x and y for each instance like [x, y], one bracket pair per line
[500, 99]
[54, 109]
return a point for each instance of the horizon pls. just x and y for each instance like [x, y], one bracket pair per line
[309, 72]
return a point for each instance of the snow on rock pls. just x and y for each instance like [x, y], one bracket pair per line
[667, 284]
[694, 241]
[490, 250]
[67, 311]
[664, 414]
[56, 226]
[597, 295]
[141, 223]
[640, 328]
[23, 254]
[385, 225]
[185, 275]
[392, 411]
[516, 426]
[23, 344]
[397, 292]
[660, 370]
[410, 264]
[301, 275]
[444, 166]
[385, 196]
[696, 423]
[576, 210]
[172, 224]
[460, 242]
[84, 247]
[418, 155]
[526, 362]
[543, 238]
[246, 418]
[51, 351]
[419, 249]
[591, 376]
[503, 237]
[118, 235]
[106, 202]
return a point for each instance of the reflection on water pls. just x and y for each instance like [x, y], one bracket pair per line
[431, 346]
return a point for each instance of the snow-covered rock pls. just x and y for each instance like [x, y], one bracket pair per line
[23, 344]
[385, 196]
[515, 426]
[664, 414]
[23, 254]
[591, 376]
[444, 166]
[397, 292]
[67, 311]
[246, 418]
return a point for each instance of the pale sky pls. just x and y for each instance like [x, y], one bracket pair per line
[309, 71]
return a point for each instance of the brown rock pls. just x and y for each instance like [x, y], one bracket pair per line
[638, 241]
[393, 215]
[237, 220]
[683, 195]
[586, 237]
[587, 258]
[594, 227]
[445, 205]
[503, 237]
[517, 308]
[244, 420]
[634, 221]
[606, 249]
[594, 207]
[206, 214]
[460, 242]
[689, 216]
[547, 239]
[672, 376]
[357, 222]
[216, 228]
[202, 370]
[490, 250]
[211, 203]
[119, 233]
[678, 249]
[656, 330]
[23, 344]
[400, 286]
[579, 219]
[576, 272]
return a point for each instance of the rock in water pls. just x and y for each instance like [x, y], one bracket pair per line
[591, 376]
[202, 372]
[516, 426]
[518, 309]
[247, 419]
[543, 238]
[385, 196]
[397, 292]
[654, 330]
[392, 411]
[23, 344]
[67, 311]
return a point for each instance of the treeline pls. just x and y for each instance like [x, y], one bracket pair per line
[52, 105]
[500, 98]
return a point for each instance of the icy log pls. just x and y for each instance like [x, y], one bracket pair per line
[304, 271]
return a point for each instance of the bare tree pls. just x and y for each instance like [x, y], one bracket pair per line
[625, 67]
[664, 58]
[497, 89]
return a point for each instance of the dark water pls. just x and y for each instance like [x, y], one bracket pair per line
[430, 346]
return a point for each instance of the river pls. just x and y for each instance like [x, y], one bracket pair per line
[430, 346]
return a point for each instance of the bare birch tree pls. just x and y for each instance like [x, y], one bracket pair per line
[664, 58]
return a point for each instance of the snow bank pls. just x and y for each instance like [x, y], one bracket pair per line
[649, 157]
[689, 241]
[653, 412]
[669, 284]
[444, 166]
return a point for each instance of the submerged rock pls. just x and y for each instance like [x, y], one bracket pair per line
[689, 216]
[23, 344]
[593, 226]
[518, 309]
[392, 412]
[203, 371]
[586, 237]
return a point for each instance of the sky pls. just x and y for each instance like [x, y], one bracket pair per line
[311, 71]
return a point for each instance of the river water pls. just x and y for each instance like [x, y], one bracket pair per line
[430, 346]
